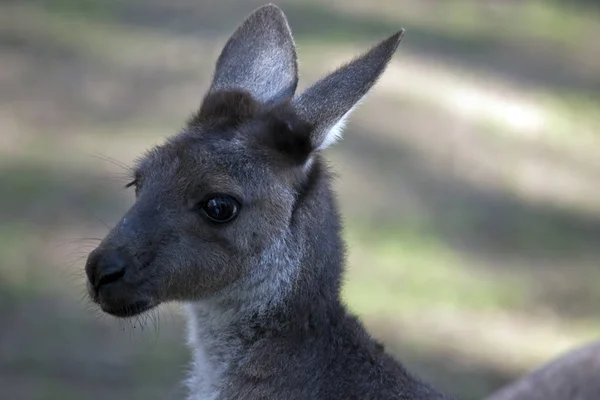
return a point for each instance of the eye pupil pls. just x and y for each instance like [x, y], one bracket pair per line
[221, 208]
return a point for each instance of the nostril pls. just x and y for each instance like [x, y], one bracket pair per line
[111, 277]
[105, 268]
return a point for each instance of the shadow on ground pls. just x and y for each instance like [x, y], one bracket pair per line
[554, 248]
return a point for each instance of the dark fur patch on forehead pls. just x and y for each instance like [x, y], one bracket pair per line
[278, 129]
[227, 107]
[286, 133]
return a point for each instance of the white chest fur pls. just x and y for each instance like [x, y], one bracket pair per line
[205, 377]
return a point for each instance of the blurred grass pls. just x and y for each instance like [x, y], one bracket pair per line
[557, 22]
[469, 286]
[406, 263]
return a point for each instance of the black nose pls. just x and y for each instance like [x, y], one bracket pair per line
[105, 267]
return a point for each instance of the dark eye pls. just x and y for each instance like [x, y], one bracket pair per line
[220, 208]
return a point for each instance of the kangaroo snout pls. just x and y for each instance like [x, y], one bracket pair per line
[114, 284]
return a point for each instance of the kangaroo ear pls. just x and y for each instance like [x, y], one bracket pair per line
[327, 103]
[260, 57]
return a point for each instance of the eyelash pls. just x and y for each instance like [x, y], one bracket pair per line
[132, 183]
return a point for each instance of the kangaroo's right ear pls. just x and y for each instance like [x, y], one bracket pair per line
[326, 104]
[260, 58]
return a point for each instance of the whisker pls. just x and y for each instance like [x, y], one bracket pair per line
[111, 160]
[73, 241]
[80, 258]
[101, 221]
[115, 177]
[155, 315]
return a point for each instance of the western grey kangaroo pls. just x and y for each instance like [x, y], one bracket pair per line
[235, 217]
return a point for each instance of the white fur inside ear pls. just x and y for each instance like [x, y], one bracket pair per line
[334, 133]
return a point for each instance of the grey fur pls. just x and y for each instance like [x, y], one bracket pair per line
[262, 292]
[572, 376]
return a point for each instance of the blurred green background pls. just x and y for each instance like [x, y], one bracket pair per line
[469, 180]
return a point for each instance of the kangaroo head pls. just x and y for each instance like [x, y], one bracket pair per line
[216, 204]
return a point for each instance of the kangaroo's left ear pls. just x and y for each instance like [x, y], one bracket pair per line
[327, 103]
[260, 58]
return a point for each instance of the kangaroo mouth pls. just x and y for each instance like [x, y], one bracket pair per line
[128, 310]
[116, 298]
